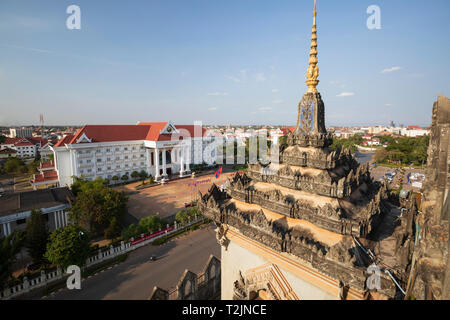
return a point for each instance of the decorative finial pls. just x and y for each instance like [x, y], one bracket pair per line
[313, 70]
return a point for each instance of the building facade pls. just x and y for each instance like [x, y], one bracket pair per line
[16, 208]
[161, 149]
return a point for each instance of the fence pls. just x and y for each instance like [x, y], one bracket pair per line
[49, 277]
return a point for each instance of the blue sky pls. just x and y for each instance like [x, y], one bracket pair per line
[220, 61]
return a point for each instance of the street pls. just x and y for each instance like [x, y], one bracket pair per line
[135, 278]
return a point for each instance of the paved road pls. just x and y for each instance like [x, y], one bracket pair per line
[135, 278]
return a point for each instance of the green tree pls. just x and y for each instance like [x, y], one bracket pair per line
[96, 205]
[151, 224]
[9, 247]
[135, 174]
[186, 215]
[124, 177]
[67, 246]
[115, 178]
[113, 230]
[14, 165]
[131, 231]
[36, 236]
[2, 138]
[143, 175]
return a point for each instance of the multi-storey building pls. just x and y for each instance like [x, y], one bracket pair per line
[161, 149]
[20, 133]
[25, 147]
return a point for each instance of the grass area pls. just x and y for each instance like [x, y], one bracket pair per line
[174, 235]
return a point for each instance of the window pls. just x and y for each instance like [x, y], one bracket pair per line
[125, 148]
[99, 169]
[151, 157]
[109, 168]
[108, 150]
[88, 160]
[126, 157]
[99, 160]
[117, 149]
[108, 159]
[142, 155]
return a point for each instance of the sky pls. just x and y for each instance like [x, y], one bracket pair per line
[221, 62]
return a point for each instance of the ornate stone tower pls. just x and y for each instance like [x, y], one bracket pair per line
[311, 113]
[309, 226]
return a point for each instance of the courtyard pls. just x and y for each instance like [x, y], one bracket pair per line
[164, 200]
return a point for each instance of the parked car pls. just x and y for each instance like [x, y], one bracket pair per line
[153, 257]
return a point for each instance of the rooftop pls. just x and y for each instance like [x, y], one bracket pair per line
[25, 201]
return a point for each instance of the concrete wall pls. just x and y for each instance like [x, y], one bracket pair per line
[236, 258]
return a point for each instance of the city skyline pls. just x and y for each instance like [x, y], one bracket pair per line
[221, 63]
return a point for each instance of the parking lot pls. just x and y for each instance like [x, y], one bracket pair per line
[379, 172]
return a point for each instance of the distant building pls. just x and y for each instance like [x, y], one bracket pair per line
[116, 150]
[7, 153]
[25, 147]
[20, 133]
[16, 208]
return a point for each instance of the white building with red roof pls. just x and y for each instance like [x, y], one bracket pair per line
[158, 148]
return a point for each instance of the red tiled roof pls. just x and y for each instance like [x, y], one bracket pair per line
[285, 130]
[46, 176]
[47, 165]
[108, 133]
[12, 140]
[23, 144]
[64, 140]
[414, 127]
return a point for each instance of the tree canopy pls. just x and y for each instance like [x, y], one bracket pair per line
[67, 246]
[36, 236]
[403, 150]
[9, 247]
[96, 205]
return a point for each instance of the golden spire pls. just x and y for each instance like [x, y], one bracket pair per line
[313, 70]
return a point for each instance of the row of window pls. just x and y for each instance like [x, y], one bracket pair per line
[129, 148]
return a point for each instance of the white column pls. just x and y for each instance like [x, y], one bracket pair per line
[164, 162]
[9, 228]
[188, 169]
[56, 220]
[156, 154]
[67, 218]
[181, 164]
[5, 232]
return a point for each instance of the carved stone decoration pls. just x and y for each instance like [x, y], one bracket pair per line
[221, 236]
[239, 290]
[267, 278]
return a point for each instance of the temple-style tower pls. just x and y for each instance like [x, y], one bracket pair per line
[309, 226]
[311, 113]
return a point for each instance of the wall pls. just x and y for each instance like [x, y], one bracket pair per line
[238, 259]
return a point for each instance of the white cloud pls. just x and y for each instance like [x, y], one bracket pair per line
[275, 90]
[346, 94]
[391, 69]
[278, 101]
[213, 108]
[388, 105]
[218, 94]
[260, 77]
[234, 79]
[263, 109]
